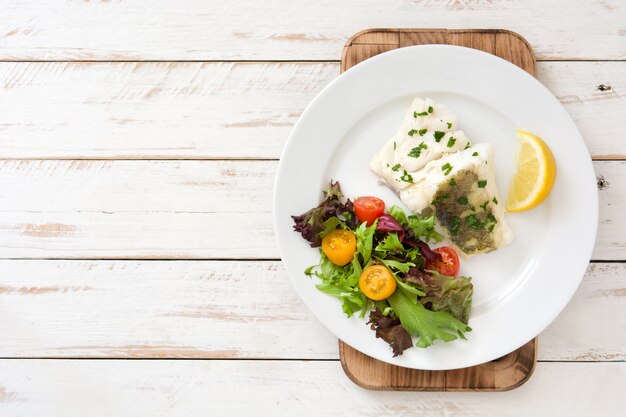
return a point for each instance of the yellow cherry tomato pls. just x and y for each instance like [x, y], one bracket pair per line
[339, 245]
[377, 282]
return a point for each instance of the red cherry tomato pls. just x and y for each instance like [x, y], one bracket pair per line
[368, 209]
[449, 264]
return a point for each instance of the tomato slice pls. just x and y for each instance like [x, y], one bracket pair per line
[339, 246]
[449, 264]
[368, 209]
[377, 282]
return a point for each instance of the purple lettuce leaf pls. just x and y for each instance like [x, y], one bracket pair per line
[310, 224]
[387, 224]
[391, 331]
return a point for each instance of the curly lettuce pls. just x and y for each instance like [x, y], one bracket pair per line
[416, 227]
[343, 281]
[425, 324]
[443, 293]
[312, 223]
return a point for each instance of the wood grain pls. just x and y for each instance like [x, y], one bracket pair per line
[287, 388]
[180, 209]
[288, 30]
[229, 110]
[230, 309]
[503, 43]
[503, 374]
[225, 110]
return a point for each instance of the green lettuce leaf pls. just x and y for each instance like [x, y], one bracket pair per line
[444, 293]
[419, 227]
[397, 265]
[427, 325]
[398, 214]
[391, 244]
[341, 282]
[365, 241]
[330, 225]
[424, 228]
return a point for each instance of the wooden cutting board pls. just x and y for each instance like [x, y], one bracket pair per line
[505, 373]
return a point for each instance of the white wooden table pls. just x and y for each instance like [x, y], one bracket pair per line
[139, 273]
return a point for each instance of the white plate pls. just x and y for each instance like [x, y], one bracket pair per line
[519, 289]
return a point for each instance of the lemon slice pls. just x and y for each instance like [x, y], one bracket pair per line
[536, 171]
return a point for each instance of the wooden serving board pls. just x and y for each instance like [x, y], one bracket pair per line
[502, 374]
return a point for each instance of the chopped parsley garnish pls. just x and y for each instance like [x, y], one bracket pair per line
[417, 151]
[455, 222]
[424, 113]
[422, 131]
[472, 208]
[440, 198]
[406, 177]
[387, 164]
[396, 167]
[490, 228]
[412, 132]
[462, 200]
[491, 218]
[467, 146]
[475, 154]
[482, 183]
[449, 125]
[452, 182]
[451, 142]
[447, 168]
[430, 109]
[438, 135]
[495, 201]
[473, 221]
[484, 205]
[394, 145]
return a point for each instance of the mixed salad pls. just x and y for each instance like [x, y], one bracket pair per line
[379, 261]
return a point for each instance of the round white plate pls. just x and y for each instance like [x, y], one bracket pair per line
[518, 290]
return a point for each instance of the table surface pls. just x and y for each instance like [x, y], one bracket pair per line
[139, 273]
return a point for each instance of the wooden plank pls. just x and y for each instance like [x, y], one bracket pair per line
[359, 53]
[506, 373]
[473, 40]
[228, 110]
[103, 186]
[610, 243]
[179, 209]
[230, 309]
[424, 36]
[202, 30]
[370, 37]
[267, 388]
[153, 110]
[507, 47]
[137, 235]
[503, 43]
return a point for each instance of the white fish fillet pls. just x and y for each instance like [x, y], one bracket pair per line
[475, 180]
[433, 134]
[420, 161]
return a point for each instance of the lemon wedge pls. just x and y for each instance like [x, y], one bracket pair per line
[536, 171]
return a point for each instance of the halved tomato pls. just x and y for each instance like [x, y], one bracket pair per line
[449, 264]
[377, 282]
[368, 209]
[340, 246]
